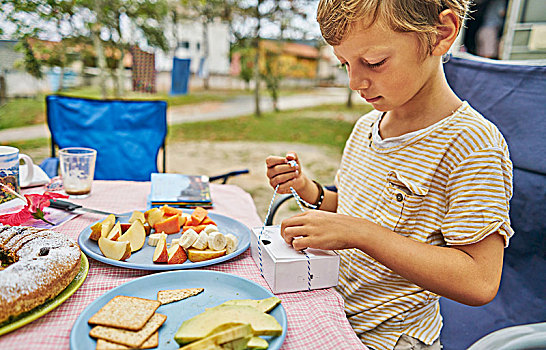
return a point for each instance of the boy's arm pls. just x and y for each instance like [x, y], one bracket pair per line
[283, 176]
[310, 193]
[469, 274]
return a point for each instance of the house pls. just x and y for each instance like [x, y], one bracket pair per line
[299, 62]
[188, 43]
[14, 81]
[8, 55]
[296, 60]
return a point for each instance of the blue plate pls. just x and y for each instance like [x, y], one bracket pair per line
[219, 287]
[142, 259]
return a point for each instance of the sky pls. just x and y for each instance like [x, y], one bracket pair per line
[309, 26]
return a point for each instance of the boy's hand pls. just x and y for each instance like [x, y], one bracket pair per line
[322, 230]
[281, 173]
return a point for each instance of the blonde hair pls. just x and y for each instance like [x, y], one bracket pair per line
[337, 17]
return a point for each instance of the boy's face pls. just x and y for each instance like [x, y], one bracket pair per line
[384, 66]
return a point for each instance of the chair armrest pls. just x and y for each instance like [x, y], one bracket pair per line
[50, 166]
[281, 198]
[226, 176]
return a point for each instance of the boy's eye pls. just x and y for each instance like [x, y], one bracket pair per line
[378, 64]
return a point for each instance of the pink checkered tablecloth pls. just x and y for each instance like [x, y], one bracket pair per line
[316, 319]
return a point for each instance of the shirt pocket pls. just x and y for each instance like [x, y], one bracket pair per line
[399, 204]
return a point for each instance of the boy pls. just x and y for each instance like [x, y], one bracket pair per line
[424, 183]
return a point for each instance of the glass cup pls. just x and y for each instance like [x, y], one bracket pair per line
[77, 170]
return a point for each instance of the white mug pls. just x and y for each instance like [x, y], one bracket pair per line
[9, 171]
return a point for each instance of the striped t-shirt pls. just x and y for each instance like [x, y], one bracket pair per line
[447, 184]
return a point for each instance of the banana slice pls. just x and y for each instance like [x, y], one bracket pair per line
[154, 238]
[210, 228]
[175, 241]
[217, 241]
[188, 238]
[202, 241]
[231, 243]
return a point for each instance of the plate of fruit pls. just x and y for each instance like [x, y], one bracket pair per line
[165, 238]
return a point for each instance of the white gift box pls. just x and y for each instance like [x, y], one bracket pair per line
[288, 270]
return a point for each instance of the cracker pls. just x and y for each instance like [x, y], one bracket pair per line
[150, 343]
[125, 312]
[169, 296]
[129, 338]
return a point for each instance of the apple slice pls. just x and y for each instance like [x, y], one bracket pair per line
[147, 228]
[125, 226]
[153, 216]
[114, 250]
[96, 231]
[161, 255]
[177, 255]
[195, 255]
[107, 225]
[135, 235]
[115, 233]
[137, 215]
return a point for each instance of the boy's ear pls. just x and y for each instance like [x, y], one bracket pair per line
[447, 32]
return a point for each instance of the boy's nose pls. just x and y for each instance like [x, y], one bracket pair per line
[357, 80]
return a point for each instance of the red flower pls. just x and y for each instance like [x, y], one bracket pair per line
[16, 219]
[34, 208]
[40, 201]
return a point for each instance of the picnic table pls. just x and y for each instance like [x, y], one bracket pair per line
[316, 319]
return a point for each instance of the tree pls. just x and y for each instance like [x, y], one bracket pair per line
[33, 19]
[144, 19]
[272, 76]
[273, 72]
[71, 22]
[246, 55]
[259, 14]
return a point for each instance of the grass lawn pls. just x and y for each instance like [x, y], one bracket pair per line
[21, 112]
[27, 111]
[320, 125]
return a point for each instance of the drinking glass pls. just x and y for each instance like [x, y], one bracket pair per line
[77, 170]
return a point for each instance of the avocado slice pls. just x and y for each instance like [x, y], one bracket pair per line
[264, 305]
[237, 344]
[225, 336]
[202, 325]
[257, 343]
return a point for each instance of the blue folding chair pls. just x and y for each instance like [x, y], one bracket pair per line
[127, 134]
[512, 96]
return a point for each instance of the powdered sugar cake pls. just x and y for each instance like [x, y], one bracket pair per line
[37, 265]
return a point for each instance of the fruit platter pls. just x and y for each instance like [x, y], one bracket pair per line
[165, 238]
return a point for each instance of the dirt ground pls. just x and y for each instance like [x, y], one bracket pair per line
[319, 163]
